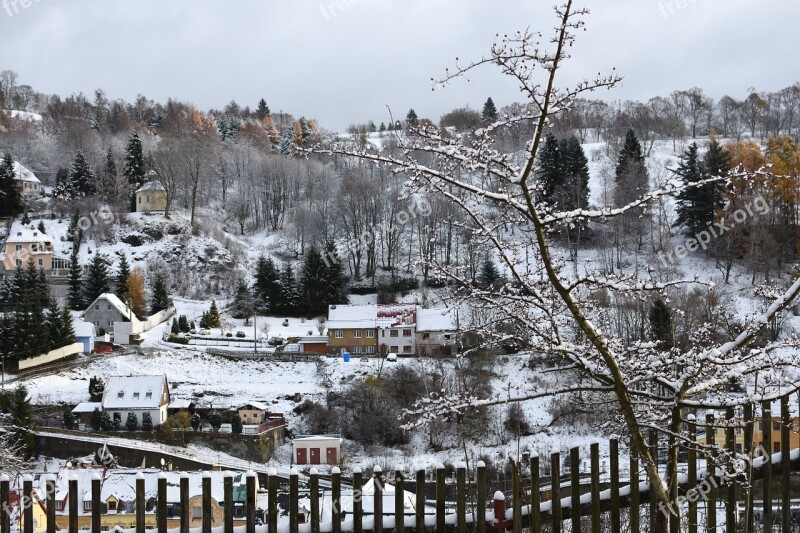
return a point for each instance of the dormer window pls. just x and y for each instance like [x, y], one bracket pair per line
[148, 395]
[121, 394]
[135, 395]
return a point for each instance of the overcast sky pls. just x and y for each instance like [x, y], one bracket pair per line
[346, 65]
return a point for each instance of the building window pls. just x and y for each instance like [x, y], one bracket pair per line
[111, 505]
[109, 307]
[370, 333]
[406, 349]
[356, 349]
[776, 447]
[357, 333]
[121, 394]
[406, 333]
[19, 262]
[110, 323]
[96, 307]
[18, 248]
[776, 426]
[394, 333]
[87, 505]
[59, 505]
[426, 336]
[197, 512]
[135, 395]
[393, 349]
[148, 395]
[339, 334]
[41, 262]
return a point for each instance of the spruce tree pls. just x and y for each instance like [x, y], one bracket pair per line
[160, 300]
[262, 111]
[717, 162]
[243, 302]
[123, 273]
[335, 281]
[550, 169]
[10, 196]
[489, 277]
[147, 422]
[574, 193]
[382, 127]
[660, 318]
[132, 423]
[694, 207]
[108, 183]
[631, 177]
[81, 177]
[267, 286]
[285, 146]
[98, 280]
[287, 304]
[212, 318]
[412, 121]
[63, 189]
[134, 170]
[75, 295]
[312, 284]
[489, 113]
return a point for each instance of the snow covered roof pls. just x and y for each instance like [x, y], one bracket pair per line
[24, 115]
[315, 339]
[352, 316]
[317, 438]
[121, 484]
[23, 174]
[83, 329]
[134, 392]
[151, 186]
[114, 301]
[21, 233]
[179, 403]
[436, 320]
[255, 405]
[87, 407]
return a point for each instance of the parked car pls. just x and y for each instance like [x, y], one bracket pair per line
[205, 332]
[391, 357]
[276, 341]
[193, 331]
[240, 334]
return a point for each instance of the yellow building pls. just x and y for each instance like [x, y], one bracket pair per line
[26, 243]
[758, 435]
[353, 328]
[150, 197]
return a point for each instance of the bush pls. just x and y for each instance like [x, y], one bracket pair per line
[215, 420]
[236, 425]
[147, 422]
[177, 340]
[132, 423]
[69, 419]
[97, 419]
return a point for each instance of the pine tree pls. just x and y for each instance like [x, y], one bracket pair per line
[108, 183]
[132, 423]
[147, 422]
[489, 113]
[56, 328]
[160, 300]
[236, 425]
[489, 276]
[183, 324]
[75, 295]
[695, 207]
[16, 405]
[334, 280]
[312, 284]
[97, 280]
[574, 193]
[550, 169]
[267, 286]
[717, 162]
[10, 196]
[135, 294]
[631, 173]
[412, 120]
[63, 189]
[81, 177]
[382, 127]
[243, 302]
[96, 389]
[212, 319]
[175, 329]
[660, 318]
[285, 146]
[263, 109]
[287, 304]
[123, 273]
[134, 170]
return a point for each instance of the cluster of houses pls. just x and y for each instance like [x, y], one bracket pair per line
[396, 328]
[138, 396]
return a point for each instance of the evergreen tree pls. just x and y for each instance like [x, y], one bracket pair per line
[106, 424]
[660, 318]
[285, 146]
[134, 170]
[195, 421]
[22, 421]
[489, 113]
[212, 319]
[236, 425]
[123, 273]
[183, 324]
[262, 111]
[41, 228]
[695, 206]
[550, 169]
[382, 127]
[132, 423]
[108, 182]
[489, 277]
[287, 304]
[96, 389]
[175, 329]
[335, 282]
[160, 300]
[717, 162]
[574, 193]
[312, 284]
[81, 177]
[63, 189]
[55, 327]
[215, 420]
[412, 121]
[147, 422]
[243, 304]
[632, 180]
[98, 280]
[75, 295]
[267, 286]
[68, 418]
[10, 195]
[96, 420]
[68, 328]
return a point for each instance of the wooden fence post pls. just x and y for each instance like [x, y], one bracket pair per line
[294, 500]
[140, 503]
[613, 452]
[162, 503]
[96, 486]
[516, 498]
[26, 503]
[575, 487]
[634, 488]
[313, 489]
[786, 459]
[184, 502]
[72, 519]
[50, 502]
[336, 501]
[711, 502]
[594, 453]
[730, 444]
[555, 492]
[691, 464]
[653, 444]
[419, 502]
[536, 495]
[5, 504]
[440, 498]
[480, 488]
[748, 452]
[766, 433]
[358, 497]
[399, 500]
[206, 502]
[227, 497]
[377, 497]
[499, 512]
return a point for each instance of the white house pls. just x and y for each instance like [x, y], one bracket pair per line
[84, 334]
[317, 450]
[137, 395]
[28, 184]
[396, 328]
[437, 331]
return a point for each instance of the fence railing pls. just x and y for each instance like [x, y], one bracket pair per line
[547, 500]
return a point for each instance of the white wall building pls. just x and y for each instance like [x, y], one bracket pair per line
[137, 395]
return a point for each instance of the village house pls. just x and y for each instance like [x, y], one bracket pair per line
[137, 395]
[105, 311]
[353, 328]
[151, 197]
[317, 449]
[314, 344]
[26, 181]
[437, 332]
[396, 328]
[253, 413]
[26, 243]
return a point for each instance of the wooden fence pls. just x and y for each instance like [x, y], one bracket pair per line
[706, 502]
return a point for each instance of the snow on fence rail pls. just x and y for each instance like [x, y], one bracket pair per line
[469, 506]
